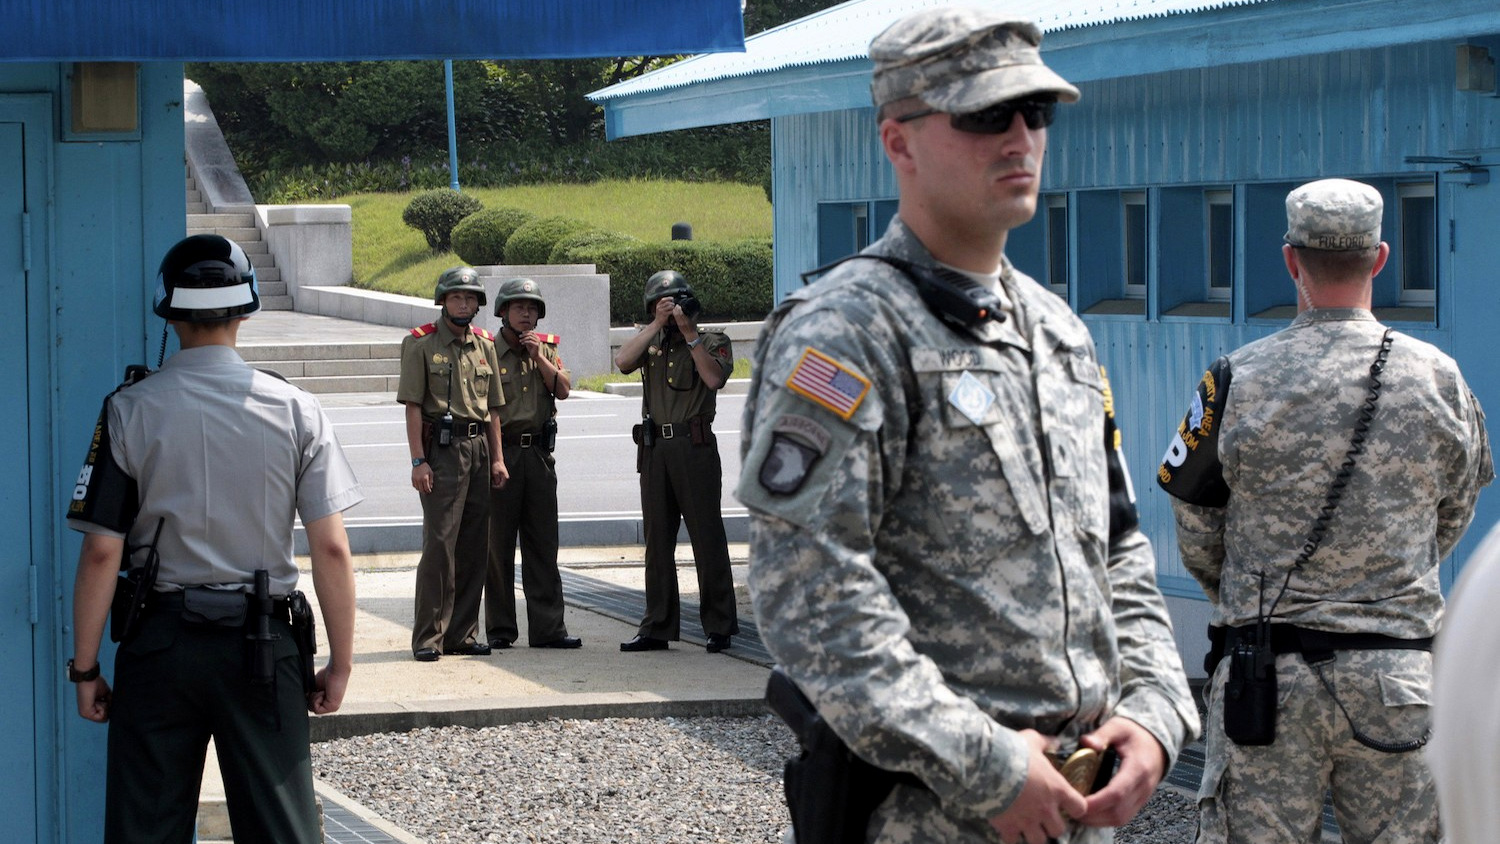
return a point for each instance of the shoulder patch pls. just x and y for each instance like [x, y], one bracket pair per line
[828, 383]
[550, 339]
[482, 333]
[424, 330]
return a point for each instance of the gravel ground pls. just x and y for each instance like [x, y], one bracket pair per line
[667, 781]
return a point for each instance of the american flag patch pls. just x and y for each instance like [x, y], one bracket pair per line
[824, 381]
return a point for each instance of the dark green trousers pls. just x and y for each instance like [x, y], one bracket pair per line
[455, 546]
[681, 482]
[177, 685]
[525, 509]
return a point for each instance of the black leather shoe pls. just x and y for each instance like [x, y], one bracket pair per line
[718, 642]
[425, 655]
[644, 643]
[565, 643]
[471, 649]
[499, 645]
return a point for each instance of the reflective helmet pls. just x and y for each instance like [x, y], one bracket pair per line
[663, 284]
[205, 278]
[456, 279]
[520, 288]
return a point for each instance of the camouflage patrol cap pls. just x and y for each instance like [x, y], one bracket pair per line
[1335, 215]
[959, 59]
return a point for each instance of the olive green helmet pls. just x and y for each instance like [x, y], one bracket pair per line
[520, 288]
[663, 284]
[456, 279]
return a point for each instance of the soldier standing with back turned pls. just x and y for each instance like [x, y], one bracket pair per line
[534, 380]
[1318, 479]
[450, 384]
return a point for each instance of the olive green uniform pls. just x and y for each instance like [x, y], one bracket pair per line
[442, 371]
[526, 507]
[681, 481]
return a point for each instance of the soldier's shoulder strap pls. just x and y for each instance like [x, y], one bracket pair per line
[424, 330]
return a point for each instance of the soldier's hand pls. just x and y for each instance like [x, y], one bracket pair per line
[532, 344]
[1046, 801]
[498, 474]
[684, 322]
[328, 694]
[664, 308]
[421, 478]
[1143, 763]
[93, 700]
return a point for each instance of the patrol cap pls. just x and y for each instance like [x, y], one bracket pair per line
[959, 59]
[1335, 215]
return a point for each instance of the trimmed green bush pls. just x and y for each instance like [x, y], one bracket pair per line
[576, 247]
[480, 238]
[732, 280]
[434, 213]
[533, 242]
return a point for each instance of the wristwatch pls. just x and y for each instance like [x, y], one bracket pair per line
[76, 676]
[417, 461]
[695, 343]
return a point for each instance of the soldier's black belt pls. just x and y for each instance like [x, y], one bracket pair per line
[697, 427]
[1314, 645]
[173, 601]
[466, 428]
[526, 440]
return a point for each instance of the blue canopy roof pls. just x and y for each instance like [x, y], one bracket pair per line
[351, 30]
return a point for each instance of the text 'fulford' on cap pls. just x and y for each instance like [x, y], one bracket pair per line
[1335, 215]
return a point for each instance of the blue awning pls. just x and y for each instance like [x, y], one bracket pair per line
[354, 30]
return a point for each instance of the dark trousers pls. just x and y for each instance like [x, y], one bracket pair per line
[177, 685]
[455, 546]
[682, 482]
[525, 508]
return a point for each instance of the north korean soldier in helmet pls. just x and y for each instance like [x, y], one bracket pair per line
[1318, 479]
[525, 507]
[450, 385]
[187, 500]
[678, 460]
[944, 551]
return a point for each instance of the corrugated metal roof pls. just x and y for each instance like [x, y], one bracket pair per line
[844, 31]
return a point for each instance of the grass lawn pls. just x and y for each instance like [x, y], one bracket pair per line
[389, 256]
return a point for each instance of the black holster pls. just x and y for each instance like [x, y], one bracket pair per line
[830, 792]
[262, 640]
[1250, 695]
[305, 632]
[133, 590]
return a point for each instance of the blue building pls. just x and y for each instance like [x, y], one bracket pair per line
[1162, 209]
[91, 196]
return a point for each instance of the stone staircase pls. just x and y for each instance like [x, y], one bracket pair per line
[332, 367]
[240, 228]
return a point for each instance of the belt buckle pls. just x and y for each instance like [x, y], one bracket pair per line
[666, 431]
[473, 429]
[526, 441]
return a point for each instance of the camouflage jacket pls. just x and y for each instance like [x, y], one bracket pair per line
[1269, 427]
[932, 559]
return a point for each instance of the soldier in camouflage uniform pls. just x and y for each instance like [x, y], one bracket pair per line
[450, 378]
[1251, 468]
[534, 379]
[944, 550]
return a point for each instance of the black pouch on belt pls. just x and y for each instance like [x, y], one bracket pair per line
[214, 607]
[1250, 695]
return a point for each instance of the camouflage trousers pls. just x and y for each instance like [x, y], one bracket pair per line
[1276, 793]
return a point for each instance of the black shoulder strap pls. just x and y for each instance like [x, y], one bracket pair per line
[955, 298]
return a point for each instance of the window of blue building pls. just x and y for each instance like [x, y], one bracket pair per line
[845, 228]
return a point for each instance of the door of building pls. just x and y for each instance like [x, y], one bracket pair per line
[19, 582]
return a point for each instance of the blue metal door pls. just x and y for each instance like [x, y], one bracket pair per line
[18, 739]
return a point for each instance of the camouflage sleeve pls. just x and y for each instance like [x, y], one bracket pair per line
[1466, 477]
[1153, 687]
[1200, 539]
[825, 450]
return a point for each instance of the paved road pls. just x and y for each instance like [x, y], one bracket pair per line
[595, 457]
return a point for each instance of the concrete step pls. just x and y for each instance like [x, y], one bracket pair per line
[267, 273]
[194, 207]
[276, 303]
[325, 351]
[235, 233]
[222, 221]
[292, 369]
[350, 384]
[270, 287]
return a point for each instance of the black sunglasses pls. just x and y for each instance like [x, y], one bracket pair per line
[1037, 112]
